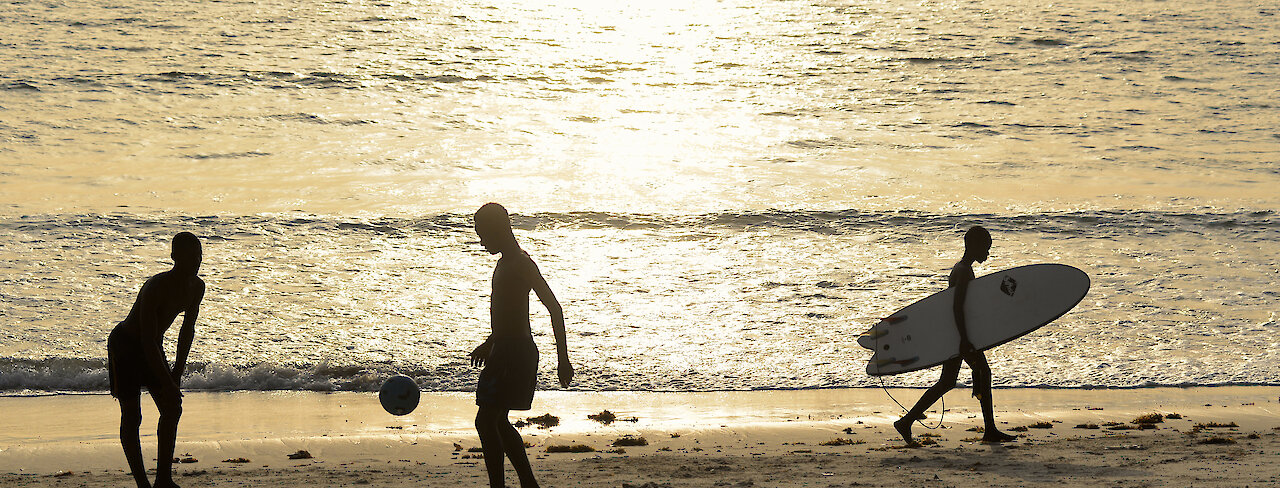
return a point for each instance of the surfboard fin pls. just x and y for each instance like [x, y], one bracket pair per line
[893, 320]
[875, 333]
[880, 363]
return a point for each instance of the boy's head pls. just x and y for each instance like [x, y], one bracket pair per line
[493, 225]
[977, 244]
[186, 252]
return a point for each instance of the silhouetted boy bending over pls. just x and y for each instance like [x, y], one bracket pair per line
[977, 247]
[509, 356]
[135, 357]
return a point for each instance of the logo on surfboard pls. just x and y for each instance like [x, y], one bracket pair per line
[1009, 285]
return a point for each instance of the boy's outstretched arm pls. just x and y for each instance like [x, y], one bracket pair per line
[548, 299]
[186, 335]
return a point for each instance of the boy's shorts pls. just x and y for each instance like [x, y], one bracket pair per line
[126, 365]
[510, 374]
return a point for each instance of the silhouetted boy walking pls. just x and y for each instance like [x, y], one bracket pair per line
[977, 247]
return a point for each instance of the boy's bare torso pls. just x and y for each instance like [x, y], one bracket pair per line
[165, 295]
[509, 299]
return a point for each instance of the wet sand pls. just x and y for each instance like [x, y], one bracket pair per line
[772, 438]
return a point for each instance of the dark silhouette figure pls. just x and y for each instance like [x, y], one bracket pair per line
[135, 357]
[509, 356]
[977, 247]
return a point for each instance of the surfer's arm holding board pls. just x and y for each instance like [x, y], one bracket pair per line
[959, 279]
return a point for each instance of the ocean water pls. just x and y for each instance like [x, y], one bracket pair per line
[722, 194]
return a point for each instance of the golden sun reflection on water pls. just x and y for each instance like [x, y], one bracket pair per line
[632, 55]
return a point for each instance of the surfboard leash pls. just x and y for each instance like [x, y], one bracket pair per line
[942, 415]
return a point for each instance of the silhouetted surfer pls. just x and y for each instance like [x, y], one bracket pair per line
[135, 357]
[509, 356]
[977, 247]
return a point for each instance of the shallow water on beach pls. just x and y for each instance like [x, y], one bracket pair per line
[723, 194]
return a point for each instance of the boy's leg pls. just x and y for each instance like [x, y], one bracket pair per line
[982, 390]
[946, 381]
[130, 421]
[491, 441]
[166, 437]
[514, 447]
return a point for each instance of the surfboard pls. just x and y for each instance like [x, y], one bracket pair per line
[999, 307]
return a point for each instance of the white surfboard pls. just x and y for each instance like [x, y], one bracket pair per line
[998, 308]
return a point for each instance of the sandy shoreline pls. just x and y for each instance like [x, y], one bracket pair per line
[773, 438]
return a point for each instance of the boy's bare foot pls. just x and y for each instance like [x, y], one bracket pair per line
[166, 484]
[993, 435]
[903, 426]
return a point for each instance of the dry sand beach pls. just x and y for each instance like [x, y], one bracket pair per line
[1227, 436]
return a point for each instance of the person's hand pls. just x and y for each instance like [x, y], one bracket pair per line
[566, 372]
[966, 347]
[480, 354]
